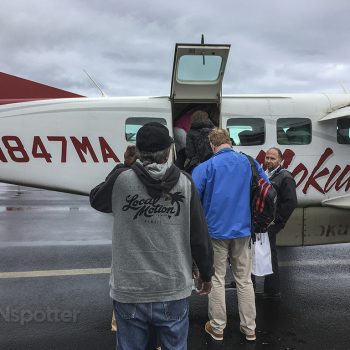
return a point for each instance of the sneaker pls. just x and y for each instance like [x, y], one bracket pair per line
[215, 335]
[248, 337]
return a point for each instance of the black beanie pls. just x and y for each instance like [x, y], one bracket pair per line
[153, 137]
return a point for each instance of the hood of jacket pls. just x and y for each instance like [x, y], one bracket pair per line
[157, 178]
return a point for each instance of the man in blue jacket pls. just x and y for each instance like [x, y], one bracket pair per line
[223, 183]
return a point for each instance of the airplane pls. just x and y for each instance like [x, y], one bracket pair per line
[69, 143]
[15, 89]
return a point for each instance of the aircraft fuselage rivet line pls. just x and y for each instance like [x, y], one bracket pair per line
[53, 273]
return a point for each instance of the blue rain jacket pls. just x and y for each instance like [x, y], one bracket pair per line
[223, 183]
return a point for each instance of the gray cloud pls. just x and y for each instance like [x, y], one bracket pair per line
[128, 46]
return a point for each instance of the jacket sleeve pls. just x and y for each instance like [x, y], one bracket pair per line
[201, 247]
[200, 179]
[286, 201]
[261, 171]
[101, 195]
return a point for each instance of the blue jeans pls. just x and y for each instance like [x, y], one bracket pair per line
[168, 319]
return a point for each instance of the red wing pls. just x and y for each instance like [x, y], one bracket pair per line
[15, 89]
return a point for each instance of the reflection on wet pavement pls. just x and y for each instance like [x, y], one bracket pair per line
[43, 231]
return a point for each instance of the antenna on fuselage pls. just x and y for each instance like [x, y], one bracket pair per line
[343, 87]
[98, 86]
[202, 43]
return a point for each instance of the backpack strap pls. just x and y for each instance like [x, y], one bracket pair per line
[255, 178]
[252, 166]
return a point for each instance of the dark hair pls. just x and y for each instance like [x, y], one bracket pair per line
[277, 150]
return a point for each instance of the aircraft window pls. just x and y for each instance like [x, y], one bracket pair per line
[343, 131]
[132, 126]
[199, 68]
[293, 131]
[246, 131]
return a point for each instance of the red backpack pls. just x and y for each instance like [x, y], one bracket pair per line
[263, 199]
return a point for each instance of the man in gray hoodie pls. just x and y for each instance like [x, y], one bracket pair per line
[159, 227]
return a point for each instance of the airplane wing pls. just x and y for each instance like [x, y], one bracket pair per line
[339, 113]
[338, 202]
[15, 89]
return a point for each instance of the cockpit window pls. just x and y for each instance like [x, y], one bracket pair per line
[293, 131]
[199, 68]
[343, 131]
[246, 131]
[132, 126]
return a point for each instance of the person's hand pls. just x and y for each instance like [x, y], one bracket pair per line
[203, 288]
[195, 272]
[130, 155]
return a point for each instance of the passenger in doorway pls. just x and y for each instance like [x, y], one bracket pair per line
[198, 148]
[223, 183]
[159, 226]
[284, 184]
[181, 128]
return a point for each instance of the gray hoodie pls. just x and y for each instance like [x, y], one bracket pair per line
[159, 227]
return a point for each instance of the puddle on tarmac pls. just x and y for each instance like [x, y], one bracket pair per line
[43, 208]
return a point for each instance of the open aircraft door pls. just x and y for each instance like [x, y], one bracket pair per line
[198, 71]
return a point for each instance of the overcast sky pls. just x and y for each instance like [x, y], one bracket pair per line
[128, 46]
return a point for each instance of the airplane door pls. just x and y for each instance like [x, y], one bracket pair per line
[198, 71]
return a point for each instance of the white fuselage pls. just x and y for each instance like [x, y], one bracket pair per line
[70, 145]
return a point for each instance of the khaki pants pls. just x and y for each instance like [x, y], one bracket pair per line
[240, 255]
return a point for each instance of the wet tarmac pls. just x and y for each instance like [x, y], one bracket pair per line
[54, 262]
